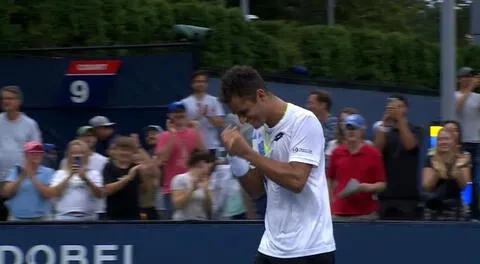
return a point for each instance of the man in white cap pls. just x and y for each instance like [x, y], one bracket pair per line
[105, 133]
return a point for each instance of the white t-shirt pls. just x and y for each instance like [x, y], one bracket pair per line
[214, 108]
[77, 196]
[96, 162]
[298, 224]
[13, 135]
[469, 118]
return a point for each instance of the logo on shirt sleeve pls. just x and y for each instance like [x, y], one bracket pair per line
[303, 150]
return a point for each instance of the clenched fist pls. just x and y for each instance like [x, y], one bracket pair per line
[234, 142]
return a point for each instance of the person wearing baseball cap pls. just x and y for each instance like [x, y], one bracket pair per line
[358, 174]
[173, 147]
[50, 160]
[27, 186]
[104, 130]
[151, 133]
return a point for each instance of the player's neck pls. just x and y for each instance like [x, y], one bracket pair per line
[278, 109]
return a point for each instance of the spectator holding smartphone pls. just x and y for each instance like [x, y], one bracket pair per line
[27, 187]
[191, 194]
[75, 187]
[95, 162]
[468, 114]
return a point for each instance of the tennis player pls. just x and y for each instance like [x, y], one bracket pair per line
[298, 223]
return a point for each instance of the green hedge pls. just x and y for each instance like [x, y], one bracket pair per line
[271, 46]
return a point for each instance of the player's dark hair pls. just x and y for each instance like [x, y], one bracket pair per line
[323, 97]
[241, 81]
[197, 156]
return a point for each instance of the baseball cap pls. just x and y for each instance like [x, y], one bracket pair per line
[153, 128]
[176, 106]
[100, 121]
[355, 120]
[83, 130]
[465, 72]
[33, 147]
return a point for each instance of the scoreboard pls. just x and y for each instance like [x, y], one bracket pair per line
[86, 83]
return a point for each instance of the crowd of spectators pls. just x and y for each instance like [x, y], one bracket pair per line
[182, 173]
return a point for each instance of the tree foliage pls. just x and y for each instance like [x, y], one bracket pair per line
[344, 53]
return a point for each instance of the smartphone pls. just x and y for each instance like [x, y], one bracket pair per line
[77, 161]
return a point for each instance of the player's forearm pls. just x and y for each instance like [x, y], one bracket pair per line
[253, 184]
[279, 172]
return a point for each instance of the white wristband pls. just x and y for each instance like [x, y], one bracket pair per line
[239, 166]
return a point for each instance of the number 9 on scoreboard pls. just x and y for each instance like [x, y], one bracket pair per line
[80, 92]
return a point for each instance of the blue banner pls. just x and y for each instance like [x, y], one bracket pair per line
[214, 243]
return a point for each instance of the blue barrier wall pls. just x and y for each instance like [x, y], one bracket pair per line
[143, 88]
[173, 243]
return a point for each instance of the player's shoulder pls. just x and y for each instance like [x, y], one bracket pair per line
[300, 115]
[298, 110]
